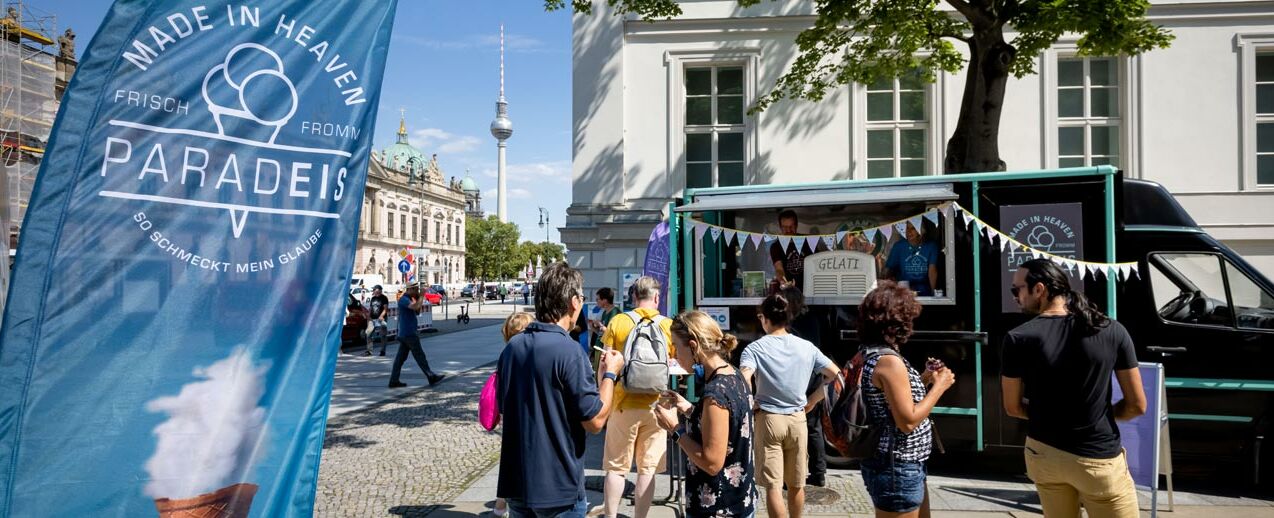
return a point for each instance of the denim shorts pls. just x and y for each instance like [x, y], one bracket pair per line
[519, 509]
[895, 487]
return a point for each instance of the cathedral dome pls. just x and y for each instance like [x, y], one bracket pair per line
[468, 185]
[402, 156]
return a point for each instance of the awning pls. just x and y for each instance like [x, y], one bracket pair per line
[817, 197]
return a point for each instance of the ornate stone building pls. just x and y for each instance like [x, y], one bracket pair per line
[408, 203]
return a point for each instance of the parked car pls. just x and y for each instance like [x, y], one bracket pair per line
[492, 291]
[432, 296]
[441, 290]
[467, 290]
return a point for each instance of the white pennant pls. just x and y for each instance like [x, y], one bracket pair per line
[888, 231]
[729, 236]
[756, 240]
[870, 234]
[1112, 271]
[932, 216]
[968, 218]
[830, 242]
[948, 208]
[993, 234]
[901, 227]
[809, 243]
[1125, 271]
[1132, 269]
[716, 233]
[785, 242]
[700, 230]
[1004, 244]
[915, 222]
[840, 237]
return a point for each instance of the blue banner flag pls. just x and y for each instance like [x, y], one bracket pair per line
[176, 305]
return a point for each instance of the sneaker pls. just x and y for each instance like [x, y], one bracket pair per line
[397, 384]
[816, 480]
[433, 380]
[500, 513]
[597, 510]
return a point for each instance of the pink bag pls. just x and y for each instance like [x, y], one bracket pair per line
[488, 411]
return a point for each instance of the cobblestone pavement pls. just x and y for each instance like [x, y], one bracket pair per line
[406, 456]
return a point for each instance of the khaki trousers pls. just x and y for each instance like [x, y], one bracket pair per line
[1065, 481]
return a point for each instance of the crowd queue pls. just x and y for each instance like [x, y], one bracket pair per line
[751, 434]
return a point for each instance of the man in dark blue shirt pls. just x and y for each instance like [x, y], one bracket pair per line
[549, 397]
[409, 305]
[915, 261]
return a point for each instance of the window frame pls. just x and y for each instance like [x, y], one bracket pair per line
[1226, 266]
[933, 125]
[1248, 47]
[1129, 109]
[676, 62]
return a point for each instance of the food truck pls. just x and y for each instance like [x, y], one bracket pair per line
[1189, 302]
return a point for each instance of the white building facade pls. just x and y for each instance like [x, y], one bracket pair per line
[662, 106]
[407, 203]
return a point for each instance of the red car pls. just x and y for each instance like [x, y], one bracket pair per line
[432, 296]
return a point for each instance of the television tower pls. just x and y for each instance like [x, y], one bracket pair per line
[501, 129]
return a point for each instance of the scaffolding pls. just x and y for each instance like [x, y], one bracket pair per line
[28, 106]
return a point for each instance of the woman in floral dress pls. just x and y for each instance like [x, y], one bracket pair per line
[716, 436]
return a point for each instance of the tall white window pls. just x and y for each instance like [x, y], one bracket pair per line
[1265, 120]
[898, 127]
[390, 220]
[1088, 112]
[714, 126]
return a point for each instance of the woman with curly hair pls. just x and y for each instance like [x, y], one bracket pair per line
[897, 402]
[717, 434]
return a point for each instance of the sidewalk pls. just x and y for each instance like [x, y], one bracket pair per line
[418, 451]
[362, 381]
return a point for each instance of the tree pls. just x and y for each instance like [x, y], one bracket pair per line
[492, 249]
[863, 41]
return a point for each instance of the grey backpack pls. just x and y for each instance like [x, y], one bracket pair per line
[645, 356]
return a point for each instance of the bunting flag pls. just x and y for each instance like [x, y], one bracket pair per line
[185, 369]
[716, 233]
[729, 236]
[995, 238]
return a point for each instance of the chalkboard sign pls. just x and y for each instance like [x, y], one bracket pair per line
[1145, 438]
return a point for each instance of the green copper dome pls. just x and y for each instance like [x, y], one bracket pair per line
[402, 157]
[468, 185]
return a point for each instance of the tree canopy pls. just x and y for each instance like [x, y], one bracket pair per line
[492, 249]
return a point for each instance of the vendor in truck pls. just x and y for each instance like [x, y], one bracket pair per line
[789, 264]
[914, 261]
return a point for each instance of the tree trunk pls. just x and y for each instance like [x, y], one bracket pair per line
[975, 145]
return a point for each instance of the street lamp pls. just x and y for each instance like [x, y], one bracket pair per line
[544, 223]
[412, 167]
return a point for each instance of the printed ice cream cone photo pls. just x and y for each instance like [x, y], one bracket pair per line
[228, 502]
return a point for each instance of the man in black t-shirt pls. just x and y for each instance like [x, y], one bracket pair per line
[378, 307]
[1057, 370]
[789, 264]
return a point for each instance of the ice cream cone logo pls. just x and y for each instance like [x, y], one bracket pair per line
[206, 447]
[248, 94]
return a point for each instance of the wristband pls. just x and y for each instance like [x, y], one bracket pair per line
[611, 376]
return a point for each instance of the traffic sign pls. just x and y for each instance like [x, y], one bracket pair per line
[404, 266]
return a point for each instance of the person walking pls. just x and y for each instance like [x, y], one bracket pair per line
[897, 403]
[1057, 372]
[633, 436]
[409, 306]
[548, 399]
[783, 364]
[504, 293]
[526, 294]
[378, 307]
[717, 435]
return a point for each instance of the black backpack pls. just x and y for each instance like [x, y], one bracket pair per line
[847, 423]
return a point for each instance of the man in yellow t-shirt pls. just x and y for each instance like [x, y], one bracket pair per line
[632, 433]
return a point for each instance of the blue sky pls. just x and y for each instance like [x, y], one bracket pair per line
[443, 68]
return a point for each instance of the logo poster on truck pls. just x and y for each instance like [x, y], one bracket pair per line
[1056, 228]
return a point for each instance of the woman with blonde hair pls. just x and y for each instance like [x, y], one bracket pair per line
[717, 434]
